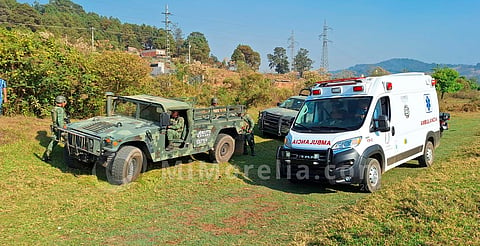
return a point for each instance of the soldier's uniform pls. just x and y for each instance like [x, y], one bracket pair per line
[175, 128]
[58, 121]
[247, 127]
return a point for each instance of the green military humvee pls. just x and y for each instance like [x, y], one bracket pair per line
[133, 133]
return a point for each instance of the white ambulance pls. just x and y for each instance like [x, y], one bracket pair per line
[353, 130]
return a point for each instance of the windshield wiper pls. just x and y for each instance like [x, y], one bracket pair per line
[298, 124]
[330, 127]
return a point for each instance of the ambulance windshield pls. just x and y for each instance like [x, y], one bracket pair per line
[332, 115]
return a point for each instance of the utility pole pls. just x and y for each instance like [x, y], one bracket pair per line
[325, 41]
[189, 47]
[167, 30]
[93, 38]
[291, 46]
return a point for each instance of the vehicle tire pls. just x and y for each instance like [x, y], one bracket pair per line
[372, 176]
[426, 160]
[223, 148]
[126, 166]
[69, 160]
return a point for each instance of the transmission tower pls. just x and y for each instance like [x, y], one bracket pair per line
[167, 30]
[325, 41]
[291, 46]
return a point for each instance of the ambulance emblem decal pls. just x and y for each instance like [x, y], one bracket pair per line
[428, 104]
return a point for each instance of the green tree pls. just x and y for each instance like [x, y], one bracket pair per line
[279, 60]
[301, 62]
[178, 36]
[446, 80]
[254, 90]
[345, 74]
[244, 53]
[199, 50]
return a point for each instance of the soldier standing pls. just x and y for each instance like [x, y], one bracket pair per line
[3, 94]
[248, 133]
[59, 120]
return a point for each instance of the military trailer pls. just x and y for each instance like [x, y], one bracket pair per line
[133, 133]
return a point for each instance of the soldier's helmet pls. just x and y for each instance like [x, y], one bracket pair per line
[214, 100]
[60, 99]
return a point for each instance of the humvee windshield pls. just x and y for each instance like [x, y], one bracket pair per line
[146, 111]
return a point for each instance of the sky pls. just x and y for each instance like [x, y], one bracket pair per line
[360, 31]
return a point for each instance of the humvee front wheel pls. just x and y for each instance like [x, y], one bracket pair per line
[126, 166]
[223, 148]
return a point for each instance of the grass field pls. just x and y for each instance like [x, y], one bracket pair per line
[240, 203]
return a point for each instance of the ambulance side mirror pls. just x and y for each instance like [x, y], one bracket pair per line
[381, 124]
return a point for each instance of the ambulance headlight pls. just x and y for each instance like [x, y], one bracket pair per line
[347, 144]
[287, 142]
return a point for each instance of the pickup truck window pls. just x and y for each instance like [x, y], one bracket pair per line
[292, 103]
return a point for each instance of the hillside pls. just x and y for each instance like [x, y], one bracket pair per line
[398, 65]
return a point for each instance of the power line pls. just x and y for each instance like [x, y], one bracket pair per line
[291, 46]
[325, 41]
[167, 30]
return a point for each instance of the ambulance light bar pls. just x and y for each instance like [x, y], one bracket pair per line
[316, 91]
[389, 86]
[358, 88]
[335, 82]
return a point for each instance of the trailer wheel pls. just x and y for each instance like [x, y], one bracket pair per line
[223, 148]
[426, 160]
[372, 176]
[126, 166]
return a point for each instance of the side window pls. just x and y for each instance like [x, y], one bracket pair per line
[382, 108]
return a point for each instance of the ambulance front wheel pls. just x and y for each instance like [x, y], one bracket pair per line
[372, 176]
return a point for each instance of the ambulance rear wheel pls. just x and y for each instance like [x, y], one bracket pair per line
[223, 148]
[372, 176]
[426, 159]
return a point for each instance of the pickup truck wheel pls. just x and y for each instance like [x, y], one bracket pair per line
[126, 166]
[372, 176]
[426, 159]
[223, 148]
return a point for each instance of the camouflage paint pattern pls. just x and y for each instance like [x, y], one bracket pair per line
[98, 138]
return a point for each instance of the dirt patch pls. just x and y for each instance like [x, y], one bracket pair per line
[238, 223]
[21, 127]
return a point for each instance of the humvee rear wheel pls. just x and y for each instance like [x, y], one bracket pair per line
[126, 166]
[223, 148]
